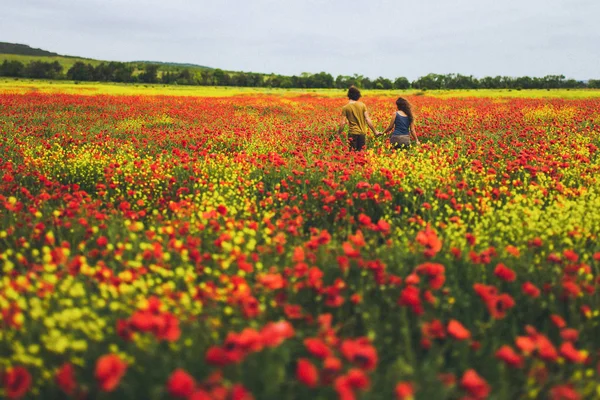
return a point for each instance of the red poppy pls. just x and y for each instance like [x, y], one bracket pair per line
[404, 391]
[239, 392]
[570, 255]
[292, 311]
[350, 251]
[458, 331]
[331, 367]
[102, 241]
[65, 378]
[485, 292]
[474, 384]
[360, 352]
[250, 306]
[564, 392]
[383, 226]
[356, 298]
[200, 395]
[221, 209]
[500, 304]
[124, 330]
[412, 279]
[434, 329]
[109, 371]
[410, 297]
[428, 238]
[558, 321]
[545, 348]
[16, 382]
[471, 239]
[570, 353]
[509, 356]
[525, 344]
[434, 272]
[167, 327]
[317, 348]
[447, 379]
[355, 379]
[505, 273]
[271, 281]
[180, 384]
[571, 290]
[364, 220]
[530, 289]
[569, 334]
[512, 250]
[216, 356]
[536, 242]
[307, 373]
[275, 333]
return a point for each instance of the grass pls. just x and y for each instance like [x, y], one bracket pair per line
[44, 86]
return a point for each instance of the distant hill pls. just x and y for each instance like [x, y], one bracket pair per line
[26, 54]
[23, 49]
[173, 64]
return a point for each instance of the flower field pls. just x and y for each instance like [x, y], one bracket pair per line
[230, 248]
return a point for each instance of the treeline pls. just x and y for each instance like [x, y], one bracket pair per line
[458, 81]
[151, 73]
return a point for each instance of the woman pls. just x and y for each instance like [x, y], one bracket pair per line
[403, 125]
[356, 116]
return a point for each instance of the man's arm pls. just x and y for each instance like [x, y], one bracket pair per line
[343, 123]
[371, 126]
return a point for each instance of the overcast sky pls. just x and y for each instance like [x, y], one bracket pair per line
[374, 38]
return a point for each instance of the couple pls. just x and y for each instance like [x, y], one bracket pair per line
[355, 114]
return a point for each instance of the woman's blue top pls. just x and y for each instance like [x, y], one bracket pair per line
[401, 125]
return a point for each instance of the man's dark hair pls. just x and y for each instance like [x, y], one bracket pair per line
[353, 93]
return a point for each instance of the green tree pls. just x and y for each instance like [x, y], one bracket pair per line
[490, 82]
[286, 82]
[123, 73]
[430, 82]
[458, 81]
[150, 74]
[219, 77]
[240, 79]
[185, 77]
[43, 70]
[12, 68]
[594, 83]
[552, 81]
[382, 83]
[366, 83]
[401, 83]
[322, 80]
[206, 77]
[344, 81]
[81, 72]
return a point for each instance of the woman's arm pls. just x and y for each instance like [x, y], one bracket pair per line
[391, 125]
[413, 133]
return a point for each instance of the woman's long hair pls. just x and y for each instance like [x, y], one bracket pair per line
[404, 106]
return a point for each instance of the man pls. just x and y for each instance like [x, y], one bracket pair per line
[355, 115]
